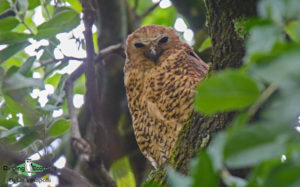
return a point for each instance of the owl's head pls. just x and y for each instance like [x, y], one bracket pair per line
[150, 42]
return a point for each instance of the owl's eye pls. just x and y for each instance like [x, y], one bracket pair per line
[139, 45]
[164, 40]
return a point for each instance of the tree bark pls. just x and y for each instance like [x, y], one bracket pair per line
[227, 52]
[111, 134]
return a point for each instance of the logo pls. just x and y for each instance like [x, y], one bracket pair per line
[28, 170]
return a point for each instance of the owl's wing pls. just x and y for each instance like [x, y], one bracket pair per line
[170, 96]
[171, 91]
[197, 67]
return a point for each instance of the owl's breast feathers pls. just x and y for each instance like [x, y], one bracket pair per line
[161, 99]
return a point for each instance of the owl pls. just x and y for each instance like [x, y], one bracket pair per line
[160, 76]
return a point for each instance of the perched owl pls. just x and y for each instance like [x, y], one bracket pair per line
[160, 75]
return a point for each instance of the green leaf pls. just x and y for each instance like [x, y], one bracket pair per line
[259, 173]
[254, 144]
[53, 80]
[279, 70]
[8, 24]
[122, 173]
[142, 7]
[15, 130]
[272, 9]
[75, 4]
[177, 179]
[13, 37]
[215, 150]
[17, 81]
[33, 4]
[8, 123]
[286, 104]
[202, 172]
[206, 44]
[95, 41]
[79, 85]
[11, 50]
[165, 17]
[27, 139]
[262, 40]
[58, 96]
[225, 91]
[4, 5]
[63, 21]
[26, 67]
[25, 105]
[284, 175]
[59, 127]
[293, 30]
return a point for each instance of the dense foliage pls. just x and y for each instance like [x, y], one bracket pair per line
[262, 140]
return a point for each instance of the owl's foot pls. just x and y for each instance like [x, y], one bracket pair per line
[82, 148]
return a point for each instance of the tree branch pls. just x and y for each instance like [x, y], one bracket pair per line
[66, 58]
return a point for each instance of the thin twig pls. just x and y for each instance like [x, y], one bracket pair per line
[117, 48]
[27, 27]
[82, 147]
[262, 99]
[106, 177]
[136, 4]
[149, 10]
[66, 58]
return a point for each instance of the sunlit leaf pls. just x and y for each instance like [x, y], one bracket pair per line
[8, 24]
[79, 85]
[8, 123]
[33, 4]
[202, 172]
[25, 105]
[293, 30]
[206, 44]
[59, 127]
[122, 173]
[63, 21]
[12, 50]
[53, 80]
[75, 4]
[165, 17]
[4, 5]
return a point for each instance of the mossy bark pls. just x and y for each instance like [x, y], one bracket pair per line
[227, 52]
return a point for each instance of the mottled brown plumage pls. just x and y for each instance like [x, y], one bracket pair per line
[161, 73]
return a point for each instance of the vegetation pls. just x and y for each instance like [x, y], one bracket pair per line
[257, 93]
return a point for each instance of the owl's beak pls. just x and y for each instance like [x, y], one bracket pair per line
[153, 54]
